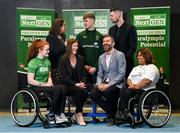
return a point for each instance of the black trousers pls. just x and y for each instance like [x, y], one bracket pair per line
[57, 95]
[125, 95]
[107, 99]
[79, 96]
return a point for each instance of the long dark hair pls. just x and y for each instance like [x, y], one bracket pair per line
[56, 27]
[70, 42]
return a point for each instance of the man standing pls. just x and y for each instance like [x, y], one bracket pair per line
[90, 46]
[125, 37]
[110, 78]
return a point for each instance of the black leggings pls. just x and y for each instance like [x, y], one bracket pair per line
[56, 93]
[79, 95]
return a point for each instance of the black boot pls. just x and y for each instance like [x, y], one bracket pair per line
[111, 122]
[128, 117]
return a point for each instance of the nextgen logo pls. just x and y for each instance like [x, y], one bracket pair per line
[35, 21]
[150, 20]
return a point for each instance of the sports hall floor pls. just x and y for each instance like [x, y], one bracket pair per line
[7, 125]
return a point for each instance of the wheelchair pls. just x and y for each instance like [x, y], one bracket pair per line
[152, 107]
[27, 106]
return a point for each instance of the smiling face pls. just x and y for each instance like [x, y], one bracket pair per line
[74, 48]
[88, 23]
[44, 52]
[141, 59]
[108, 43]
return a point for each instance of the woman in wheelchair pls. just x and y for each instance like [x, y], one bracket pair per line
[143, 77]
[39, 77]
[74, 78]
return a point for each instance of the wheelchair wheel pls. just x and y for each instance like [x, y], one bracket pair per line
[155, 108]
[24, 108]
[44, 108]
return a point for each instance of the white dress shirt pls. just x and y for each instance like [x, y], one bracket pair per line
[108, 60]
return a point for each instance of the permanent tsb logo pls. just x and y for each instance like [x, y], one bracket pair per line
[150, 20]
[35, 21]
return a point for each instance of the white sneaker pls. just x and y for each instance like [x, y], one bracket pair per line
[51, 122]
[64, 117]
[59, 119]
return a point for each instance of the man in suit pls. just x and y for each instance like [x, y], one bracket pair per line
[125, 37]
[110, 78]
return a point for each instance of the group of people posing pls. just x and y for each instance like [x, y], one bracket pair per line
[91, 63]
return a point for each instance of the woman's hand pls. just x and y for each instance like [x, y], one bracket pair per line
[48, 84]
[131, 86]
[81, 85]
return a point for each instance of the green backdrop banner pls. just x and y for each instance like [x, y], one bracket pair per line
[31, 24]
[74, 20]
[153, 28]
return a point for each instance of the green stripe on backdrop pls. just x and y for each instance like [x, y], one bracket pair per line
[31, 24]
[74, 20]
[153, 28]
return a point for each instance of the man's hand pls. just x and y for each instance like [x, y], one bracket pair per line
[103, 87]
[92, 70]
[87, 68]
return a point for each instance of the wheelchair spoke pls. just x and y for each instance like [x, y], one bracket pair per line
[23, 108]
[159, 106]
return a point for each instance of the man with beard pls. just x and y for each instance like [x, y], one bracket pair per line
[125, 37]
[110, 78]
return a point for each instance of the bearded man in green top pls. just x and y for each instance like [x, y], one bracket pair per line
[90, 46]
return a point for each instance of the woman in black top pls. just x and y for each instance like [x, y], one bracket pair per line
[57, 41]
[74, 78]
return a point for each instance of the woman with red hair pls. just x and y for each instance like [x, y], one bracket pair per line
[39, 77]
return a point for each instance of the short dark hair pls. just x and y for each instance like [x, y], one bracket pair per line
[115, 9]
[89, 15]
[107, 35]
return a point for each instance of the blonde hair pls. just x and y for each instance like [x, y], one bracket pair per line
[89, 15]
